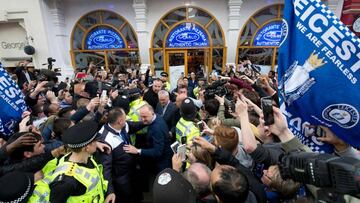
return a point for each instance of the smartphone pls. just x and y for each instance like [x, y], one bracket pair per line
[103, 95]
[200, 125]
[319, 132]
[183, 140]
[208, 138]
[182, 151]
[267, 108]
[174, 146]
[232, 106]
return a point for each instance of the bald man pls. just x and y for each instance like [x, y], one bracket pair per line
[198, 175]
[158, 142]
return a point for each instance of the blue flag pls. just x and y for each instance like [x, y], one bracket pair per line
[319, 73]
[12, 103]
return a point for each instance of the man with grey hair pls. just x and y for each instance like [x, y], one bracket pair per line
[158, 149]
[198, 175]
[167, 110]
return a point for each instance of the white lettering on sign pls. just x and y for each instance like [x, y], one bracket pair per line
[332, 41]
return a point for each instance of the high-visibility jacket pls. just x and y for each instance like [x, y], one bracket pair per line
[91, 178]
[168, 86]
[134, 115]
[186, 129]
[196, 91]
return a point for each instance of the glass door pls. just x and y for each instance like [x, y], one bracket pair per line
[176, 66]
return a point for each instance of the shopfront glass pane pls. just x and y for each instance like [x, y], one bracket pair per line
[82, 59]
[266, 14]
[247, 34]
[129, 36]
[217, 59]
[159, 35]
[175, 16]
[90, 20]
[257, 56]
[158, 56]
[216, 35]
[123, 59]
[199, 16]
[77, 40]
[112, 19]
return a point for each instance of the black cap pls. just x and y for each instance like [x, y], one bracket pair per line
[123, 102]
[80, 134]
[188, 109]
[164, 74]
[171, 187]
[134, 91]
[16, 187]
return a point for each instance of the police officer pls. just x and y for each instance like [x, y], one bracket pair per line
[75, 177]
[201, 84]
[186, 128]
[136, 102]
[164, 79]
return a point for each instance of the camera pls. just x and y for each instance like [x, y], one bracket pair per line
[50, 61]
[47, 75]
[216, 88]
[333, 174]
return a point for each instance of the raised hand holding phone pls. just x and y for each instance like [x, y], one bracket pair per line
[267, 108]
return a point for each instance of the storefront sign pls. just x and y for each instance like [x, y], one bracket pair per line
[187, 35]
[13, 45]
[271, 34]
[104, 38]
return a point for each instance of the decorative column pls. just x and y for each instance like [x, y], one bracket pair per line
[59, 49]
[233, 30]
[140, 9]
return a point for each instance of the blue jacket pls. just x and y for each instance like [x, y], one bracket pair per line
[158, 144]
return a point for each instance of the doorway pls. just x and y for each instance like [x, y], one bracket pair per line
[180, 63]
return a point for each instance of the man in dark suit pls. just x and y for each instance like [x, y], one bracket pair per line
[158, 142]
[119, 167]
[167, 110]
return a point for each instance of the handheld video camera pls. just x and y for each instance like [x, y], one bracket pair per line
[333, 174]
[216, 88]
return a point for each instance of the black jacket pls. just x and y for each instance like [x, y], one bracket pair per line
[119, 166]
[32, 164]
[151, 97]
[20, 73]
[225, 157]
[169, 116]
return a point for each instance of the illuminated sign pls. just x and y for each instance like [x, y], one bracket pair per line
[104, 38]
[271, 34]
[187, 35]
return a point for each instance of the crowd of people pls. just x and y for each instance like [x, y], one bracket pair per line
[127, 137]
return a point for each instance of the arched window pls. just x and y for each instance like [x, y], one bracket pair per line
[105, 38]
[261, 36]
[192, 32]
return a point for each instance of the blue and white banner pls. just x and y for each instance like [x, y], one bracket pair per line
[12, 103]
[319, 73]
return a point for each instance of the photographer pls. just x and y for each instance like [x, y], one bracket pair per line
[24, 73]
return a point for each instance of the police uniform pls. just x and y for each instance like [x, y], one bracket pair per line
[67, 181]
[167, 83]
[186, 129]
[134, 113]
